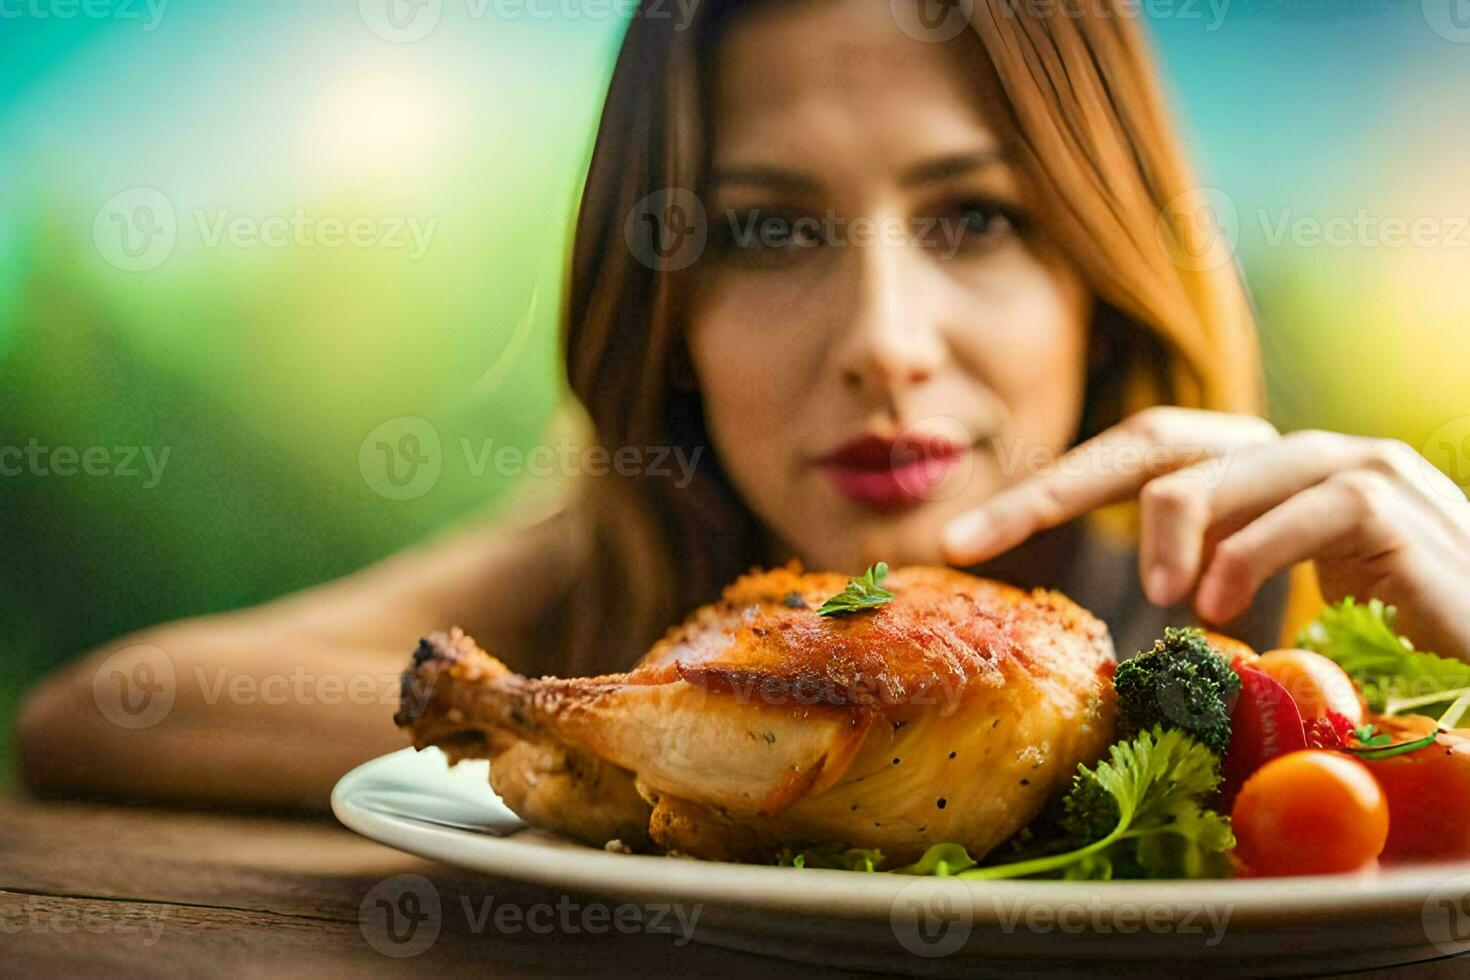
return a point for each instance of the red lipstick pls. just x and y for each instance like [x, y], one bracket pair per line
[890, 474]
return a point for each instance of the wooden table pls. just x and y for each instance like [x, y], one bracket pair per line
[116, 891]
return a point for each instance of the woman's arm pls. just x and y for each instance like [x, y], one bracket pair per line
[269, 706]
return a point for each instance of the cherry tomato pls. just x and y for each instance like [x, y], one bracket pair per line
[1428, 792]
[1310, 812]
[1265, 724]
[1233, 650]
[1317, 685]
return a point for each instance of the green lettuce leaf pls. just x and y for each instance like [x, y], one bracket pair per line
[942, 860]
[852, 859]
[1393, 676]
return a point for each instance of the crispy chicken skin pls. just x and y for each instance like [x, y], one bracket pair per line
[948, 715]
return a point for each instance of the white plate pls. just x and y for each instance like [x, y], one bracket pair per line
[415, 802]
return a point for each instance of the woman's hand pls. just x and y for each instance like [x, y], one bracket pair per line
[1226, 503]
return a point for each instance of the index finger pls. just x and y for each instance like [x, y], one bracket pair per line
[1110, 467]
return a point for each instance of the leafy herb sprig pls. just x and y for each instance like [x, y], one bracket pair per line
[1139, 813]
[863, 592]
[1371, 737]
[1376, 744]
[1393, 676]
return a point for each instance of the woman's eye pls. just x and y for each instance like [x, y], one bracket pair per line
[974, 224]
[780, 231]
[763, 236]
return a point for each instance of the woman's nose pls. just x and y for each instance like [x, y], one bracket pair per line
[892, 338]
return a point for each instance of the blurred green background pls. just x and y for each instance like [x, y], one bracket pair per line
[143, 147]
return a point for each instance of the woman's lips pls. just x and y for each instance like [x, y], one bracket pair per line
[889, 474]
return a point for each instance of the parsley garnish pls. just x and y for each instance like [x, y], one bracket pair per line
[1382, 750]
[1138, 814]
[1371, 737]
[861, 593]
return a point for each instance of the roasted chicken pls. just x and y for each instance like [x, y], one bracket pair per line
[950, 714]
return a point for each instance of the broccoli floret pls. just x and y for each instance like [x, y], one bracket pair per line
[1090, 811]
[1181, 683]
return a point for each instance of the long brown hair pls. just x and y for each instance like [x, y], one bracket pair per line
[1077, 101]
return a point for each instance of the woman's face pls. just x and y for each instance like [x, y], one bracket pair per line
[881, 339]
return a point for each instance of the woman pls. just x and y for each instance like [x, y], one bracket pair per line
[946, 297]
